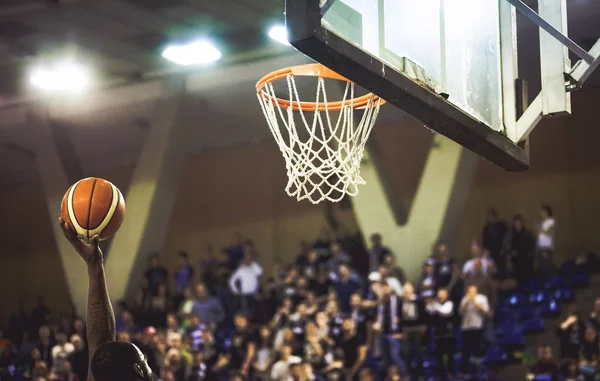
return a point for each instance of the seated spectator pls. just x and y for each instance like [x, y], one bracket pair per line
[570, 333]
[474, 308]
[545, 365]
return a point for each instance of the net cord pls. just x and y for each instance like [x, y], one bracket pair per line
[327, 165]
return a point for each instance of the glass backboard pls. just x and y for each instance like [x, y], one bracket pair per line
[438, 60]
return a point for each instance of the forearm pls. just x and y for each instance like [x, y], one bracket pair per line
[100, 316]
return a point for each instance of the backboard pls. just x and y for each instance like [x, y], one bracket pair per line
[450, 63]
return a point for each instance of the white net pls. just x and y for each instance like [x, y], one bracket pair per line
[322, 152]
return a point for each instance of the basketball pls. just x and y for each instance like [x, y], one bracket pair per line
[93, 206]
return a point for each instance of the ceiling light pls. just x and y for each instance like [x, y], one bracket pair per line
[68, 77]
[279, 34]
[197, 52]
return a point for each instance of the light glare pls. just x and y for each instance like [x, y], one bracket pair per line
[68, 77]
[279, 34]
[198, 52]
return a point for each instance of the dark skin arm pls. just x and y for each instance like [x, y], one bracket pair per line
[100, 315]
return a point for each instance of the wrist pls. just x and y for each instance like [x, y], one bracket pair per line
[95, 267]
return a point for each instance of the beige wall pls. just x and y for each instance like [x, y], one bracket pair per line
[241, 189]
[565, 173]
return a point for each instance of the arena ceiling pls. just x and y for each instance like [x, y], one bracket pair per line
[122, 40]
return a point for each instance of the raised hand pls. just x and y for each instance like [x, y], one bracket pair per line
[89, 251]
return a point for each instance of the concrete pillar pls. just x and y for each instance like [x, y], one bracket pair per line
[55, 180]
[151, 194]
[437, 207]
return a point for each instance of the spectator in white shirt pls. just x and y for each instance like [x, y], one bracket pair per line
[488, 266]
[545, 240]
[281, 369]
[474, 308]
[245, 280]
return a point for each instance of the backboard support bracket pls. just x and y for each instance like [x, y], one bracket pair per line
[545, 25]
[579, 74]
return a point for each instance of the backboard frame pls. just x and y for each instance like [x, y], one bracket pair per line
[306, 34]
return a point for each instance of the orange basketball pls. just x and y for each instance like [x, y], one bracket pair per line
[93, 206]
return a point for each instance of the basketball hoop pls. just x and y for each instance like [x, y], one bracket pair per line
[323, 158]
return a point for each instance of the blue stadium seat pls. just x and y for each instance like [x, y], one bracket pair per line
[502, 314]
[555, 282]
[534, 325]
[516, 299]
[539, 297]
[550, 309]
[579, 280]
[514, 338]
[495, 355]
[526, 312]
[565, 295]
[532, 286]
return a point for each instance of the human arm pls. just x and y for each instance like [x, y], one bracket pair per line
[100, 316]
[233, 280]
[250, 351]
[568, 322]
[257, 269]
[481, 303]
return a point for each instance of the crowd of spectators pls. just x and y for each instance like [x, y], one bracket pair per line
[339, 312]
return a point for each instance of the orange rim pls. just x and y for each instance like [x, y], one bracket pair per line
[311, 70]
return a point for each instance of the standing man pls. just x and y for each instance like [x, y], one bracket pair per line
[110, 360]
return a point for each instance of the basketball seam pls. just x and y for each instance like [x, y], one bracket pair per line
[74, 222]
[90, 209]
[111, 210]
[107, 212]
